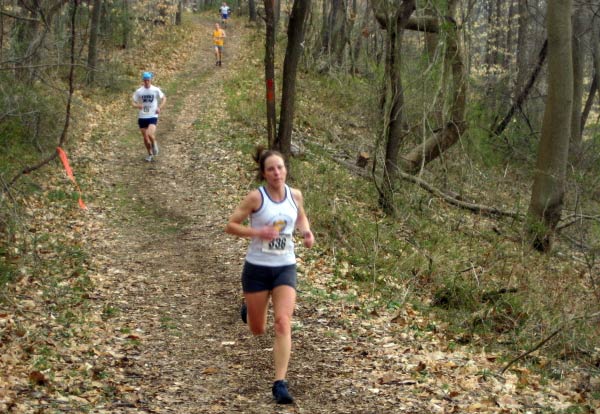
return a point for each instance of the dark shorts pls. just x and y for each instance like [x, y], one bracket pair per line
[145, 122]
[260, 278]
[224, 16]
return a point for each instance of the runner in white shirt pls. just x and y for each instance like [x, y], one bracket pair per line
[224, 10]
[149, 99]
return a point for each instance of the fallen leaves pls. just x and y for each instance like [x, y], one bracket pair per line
[37, 378]
[210, 371]
[137, 346]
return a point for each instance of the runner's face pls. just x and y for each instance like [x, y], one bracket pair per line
[147, 83]
[274, 171]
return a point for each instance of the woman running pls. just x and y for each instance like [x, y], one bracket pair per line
[275, 210]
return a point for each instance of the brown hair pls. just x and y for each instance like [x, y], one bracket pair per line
[260, 156]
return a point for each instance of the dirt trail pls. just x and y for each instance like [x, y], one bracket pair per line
[179, 346]
[175, 273]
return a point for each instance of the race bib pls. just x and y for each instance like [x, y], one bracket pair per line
[279, 245]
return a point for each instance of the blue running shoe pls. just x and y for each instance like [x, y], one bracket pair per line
[244, 312]
[281, 393]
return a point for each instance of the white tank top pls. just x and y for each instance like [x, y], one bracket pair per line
[282, 215]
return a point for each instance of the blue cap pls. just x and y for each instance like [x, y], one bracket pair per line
[147, 75]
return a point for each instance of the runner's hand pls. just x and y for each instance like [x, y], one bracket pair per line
[309, 239]
[268, 233]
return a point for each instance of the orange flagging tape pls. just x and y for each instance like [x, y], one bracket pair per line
[63, 157]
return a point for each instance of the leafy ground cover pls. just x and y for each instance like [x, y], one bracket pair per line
[132, 306]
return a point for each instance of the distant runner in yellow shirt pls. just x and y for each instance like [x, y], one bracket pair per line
[218, 39]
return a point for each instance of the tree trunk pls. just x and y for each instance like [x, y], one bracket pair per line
[270, 72]
[25, 43]
[498, 31]
[126, 25]
[578, 64]
[589, 101]
[29, 34]
[508, 48]
[491, 52]
[351, 30]
[548, 190]
[252, 10]
[393, 98]
[179, 12]
[277, 14]
[290, 68]
[430, 39]
[337, 21]
[1, 31]
[522, 49]
[523, 94]
[362, 33]
[596, 70]
[93, 42]
[455, 127]
[325, 29]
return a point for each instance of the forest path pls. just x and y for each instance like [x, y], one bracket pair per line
[170, 278]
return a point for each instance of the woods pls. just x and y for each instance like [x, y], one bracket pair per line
[475, 124]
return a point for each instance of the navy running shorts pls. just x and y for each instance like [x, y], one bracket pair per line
[257, 278]
[145, 122]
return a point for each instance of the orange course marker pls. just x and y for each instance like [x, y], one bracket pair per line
[63, 157]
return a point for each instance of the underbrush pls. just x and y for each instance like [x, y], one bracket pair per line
[46, 275]
[471, 270]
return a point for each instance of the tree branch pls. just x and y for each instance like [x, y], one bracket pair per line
[500, 127]
[532, 350]
[476, 208]
[13, 16]
[549, 337]
[574, 218]
[427, 24]
[63, 136]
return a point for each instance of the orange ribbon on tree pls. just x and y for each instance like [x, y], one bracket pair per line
[63, 157]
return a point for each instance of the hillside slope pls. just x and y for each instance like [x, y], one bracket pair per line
[163, 333]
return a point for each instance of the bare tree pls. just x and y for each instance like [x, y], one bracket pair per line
[595, 46]
[252, 10]
[270, 72]
[393, 20]
[93, 42]
[31, 29]
[451, 131]
[579, 30]
[548, 191]
[338, 25]
[522, 94]
[179, 12]
[63, 137]
[276, 13]
[522, 63]
[290, 67]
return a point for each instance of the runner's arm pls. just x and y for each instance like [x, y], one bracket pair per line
[302, 223]
[162, 103]
[235, 225]
[135, 103]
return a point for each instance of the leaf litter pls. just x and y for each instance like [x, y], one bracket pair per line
[159, 331]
